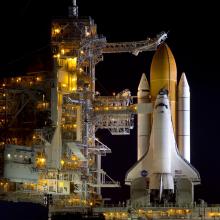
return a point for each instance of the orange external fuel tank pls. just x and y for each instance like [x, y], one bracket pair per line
[163, 75]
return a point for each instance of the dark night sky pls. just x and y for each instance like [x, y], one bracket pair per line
[192, 38]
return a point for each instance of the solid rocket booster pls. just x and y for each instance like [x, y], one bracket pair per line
[184, 118]
[144, 117]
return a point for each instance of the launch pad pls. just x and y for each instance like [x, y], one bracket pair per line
[48, 120]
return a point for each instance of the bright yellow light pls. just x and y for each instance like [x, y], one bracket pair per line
[87, 33]
[80, 70]
[38, 78]
[64, 85]
[74, 125]
[62, 51]
[74, 79]
[56, 55]
[57, 31]
[74, 158]
[62, 162]
[42, 160]
[72, 62]
[214, 214]
[82, 52]
[74, 82]
[61, 184]
[91, 203]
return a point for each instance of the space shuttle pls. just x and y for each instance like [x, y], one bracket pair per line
[163, 172]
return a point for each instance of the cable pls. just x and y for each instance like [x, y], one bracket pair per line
[26, 7]
[107, 92]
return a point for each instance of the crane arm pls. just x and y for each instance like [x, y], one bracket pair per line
[135, 47]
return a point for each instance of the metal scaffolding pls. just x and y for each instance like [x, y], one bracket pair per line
[48, 120]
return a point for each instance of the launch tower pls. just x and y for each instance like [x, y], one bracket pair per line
[48, 120]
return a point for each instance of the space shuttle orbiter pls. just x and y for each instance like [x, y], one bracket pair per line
[163, 170]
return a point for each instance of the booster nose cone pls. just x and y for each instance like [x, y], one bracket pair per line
[143, 85]
[143, 90]
[183, 81]
[183, 87]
